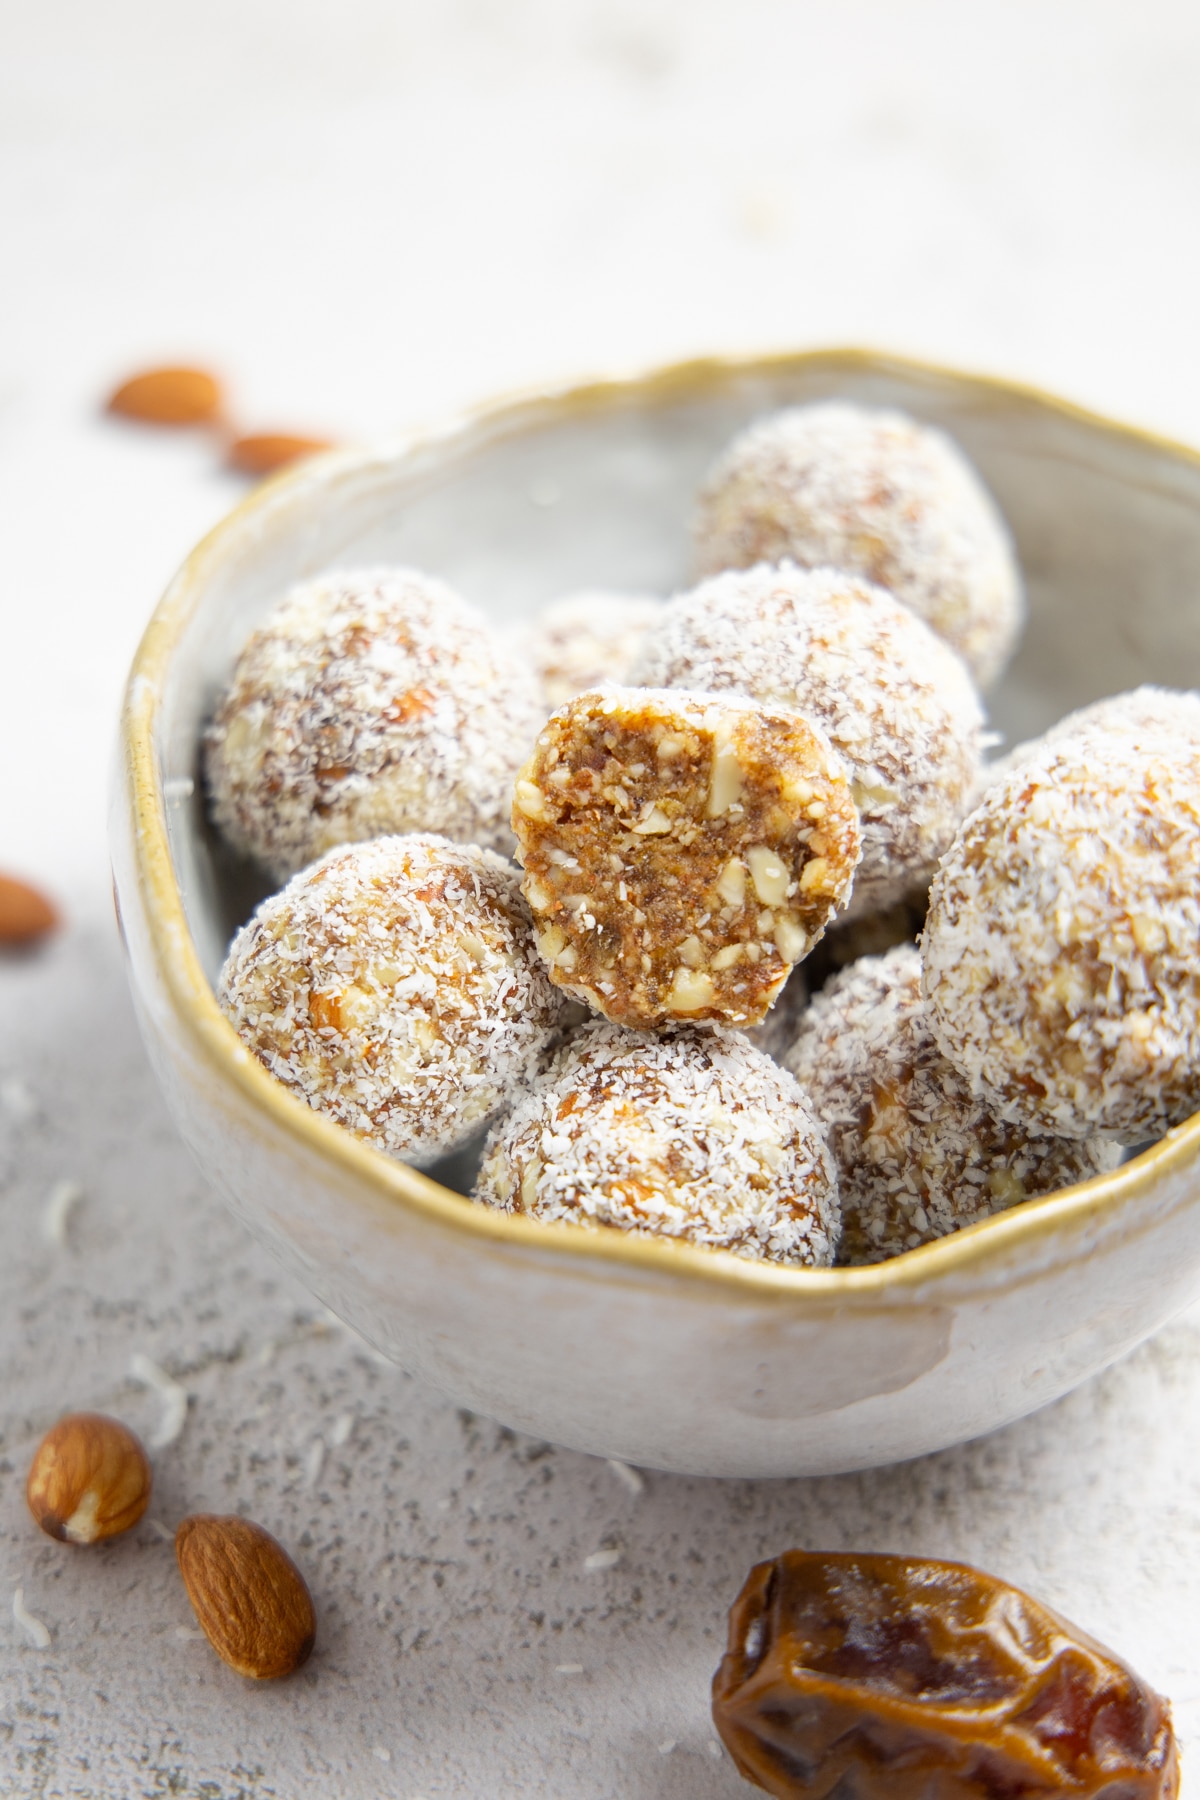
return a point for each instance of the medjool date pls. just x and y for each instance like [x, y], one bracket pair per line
[866, 1677]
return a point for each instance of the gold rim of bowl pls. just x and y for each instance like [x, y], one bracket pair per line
[984, 1252]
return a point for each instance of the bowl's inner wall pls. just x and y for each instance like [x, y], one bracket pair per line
[597, 491]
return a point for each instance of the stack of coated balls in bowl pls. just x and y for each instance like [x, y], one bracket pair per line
[787, 967]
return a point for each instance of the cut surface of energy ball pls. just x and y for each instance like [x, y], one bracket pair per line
[586, 639]
[394, 986]
[848, 487]
[368, 703]
[777, 1033]
[1062, 944]
[692, 1135]
[681, 851]
[896, 703]
[918, 1156]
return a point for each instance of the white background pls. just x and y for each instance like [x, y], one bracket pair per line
[365, 215]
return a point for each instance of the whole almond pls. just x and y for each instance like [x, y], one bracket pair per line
[249, 1596]
[25, 915]
[266, 451]
[89, 1480]
[169, 397]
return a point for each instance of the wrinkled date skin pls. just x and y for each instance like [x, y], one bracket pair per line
[890, 1678]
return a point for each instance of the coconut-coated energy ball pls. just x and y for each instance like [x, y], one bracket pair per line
[1141, 709]
[368, 703]
[848, 487]
[681, 851]
[692, 1135]
[918, 1156]
[896, 703]
[394, 986]
[585, 640]
[1062, 944]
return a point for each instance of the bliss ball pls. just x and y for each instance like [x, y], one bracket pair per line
[896, 703]
[695, 1136]
[681, 851]
[394, 986]
[1142, 709]
[917, 1154]
[585, 640]
[1062, 942]
[874, 492]
[368, 703]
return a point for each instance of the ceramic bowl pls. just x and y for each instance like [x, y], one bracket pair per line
[663, 1355]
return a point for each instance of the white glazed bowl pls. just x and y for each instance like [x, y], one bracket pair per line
[663, 1355]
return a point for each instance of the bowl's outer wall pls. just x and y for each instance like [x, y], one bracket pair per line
[652, 1362]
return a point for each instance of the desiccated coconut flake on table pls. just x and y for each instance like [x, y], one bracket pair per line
[35, 1629]
[600, 1561]
[61, 1202]
[174, 1398]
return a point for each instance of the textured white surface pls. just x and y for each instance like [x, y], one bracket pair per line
[367, 218]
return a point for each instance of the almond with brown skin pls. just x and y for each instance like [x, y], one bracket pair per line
[169, 397]
[25, 915]
[89, 1481]
[249, 1596]
[266, 451]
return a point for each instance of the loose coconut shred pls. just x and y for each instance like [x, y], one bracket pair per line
[847, 487]
[693, 1135]
[369, 703]
[896, 703]
[1062, 943]
[394, 986]
[917, 1155]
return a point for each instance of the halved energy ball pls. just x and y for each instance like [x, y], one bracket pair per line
[693, 1135]
[918, 1155]
[369, 703]
[1062, 944]
[896, 703]
[394, 986]
[681, 851]
[849, 487]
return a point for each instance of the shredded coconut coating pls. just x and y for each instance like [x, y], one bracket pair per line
[584, 640]
[896, 703]
[1062, 943]
[693, 1135]
[369, 703]
[876, 493]
[917, 1155]
[681, 851]
[1141, 709]
[394, 986]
